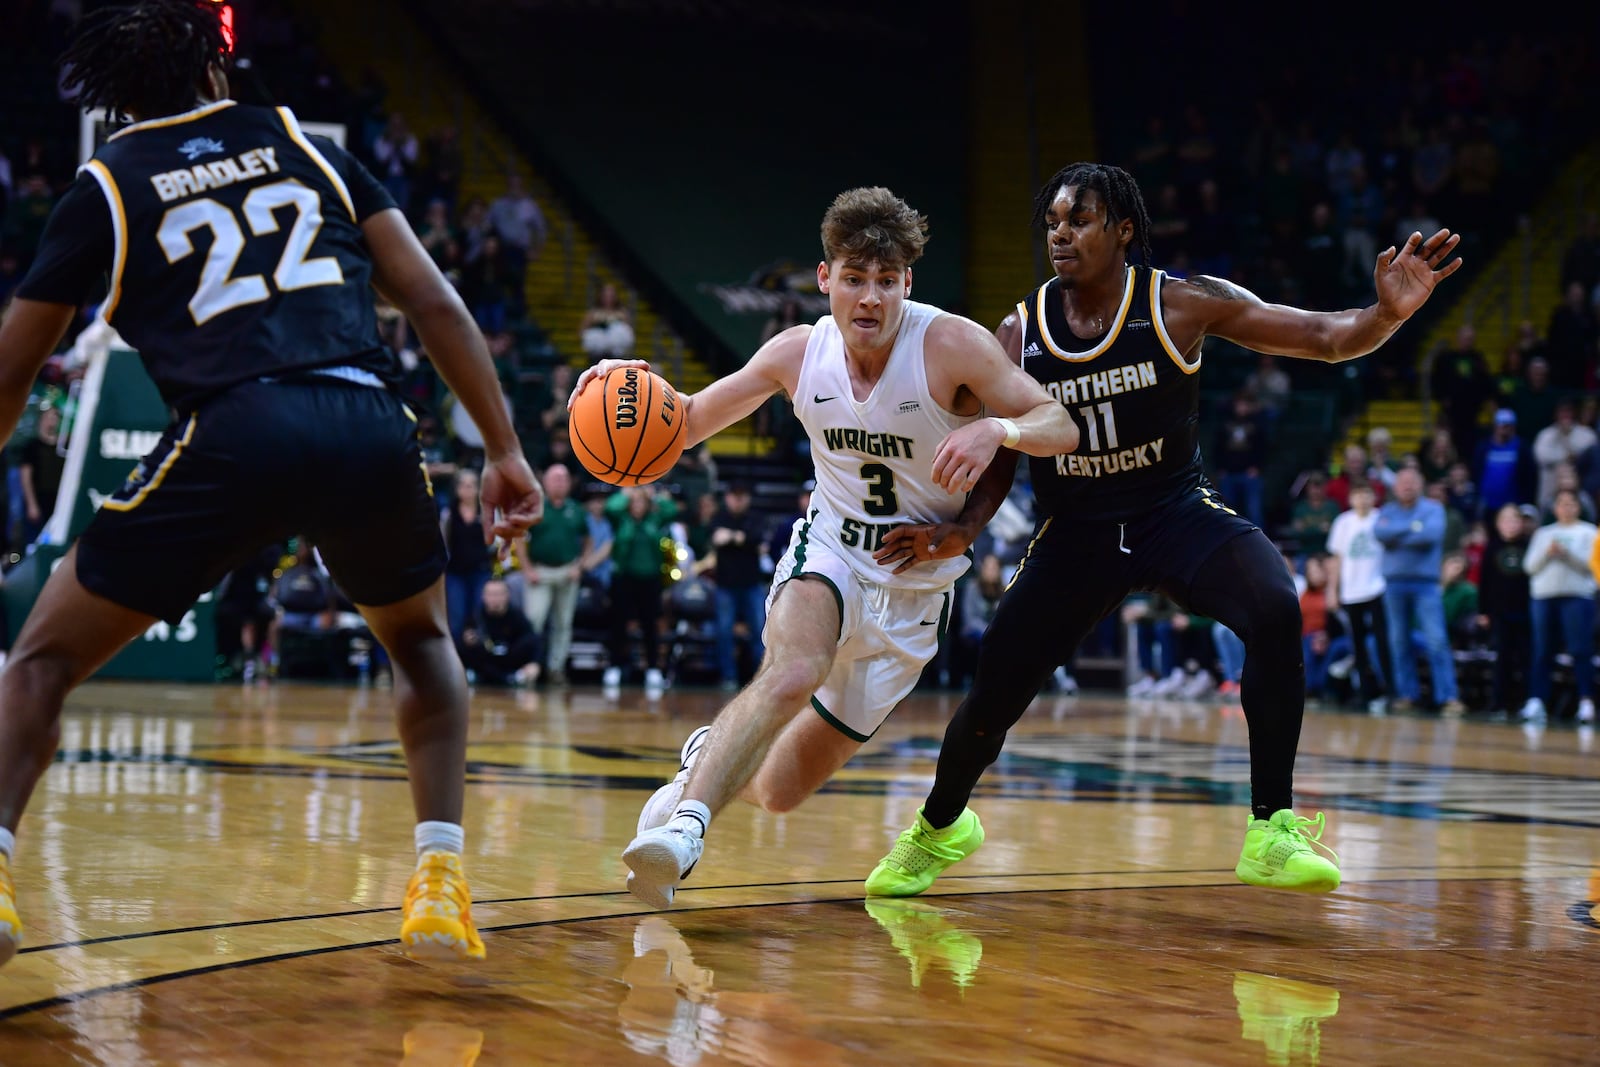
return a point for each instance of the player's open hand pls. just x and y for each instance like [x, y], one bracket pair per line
[1405, 279]
[598, 371]
[965, 453]
[510, 498]
[914, 543]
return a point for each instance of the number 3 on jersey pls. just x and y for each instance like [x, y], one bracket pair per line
[219, 291]
[880, 500]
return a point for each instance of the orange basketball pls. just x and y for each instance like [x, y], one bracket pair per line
[628, 428]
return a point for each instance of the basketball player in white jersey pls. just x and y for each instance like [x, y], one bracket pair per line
[893, 395]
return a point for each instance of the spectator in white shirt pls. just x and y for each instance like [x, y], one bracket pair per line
[1562, 588]
[1355, 586]
[1562, 441]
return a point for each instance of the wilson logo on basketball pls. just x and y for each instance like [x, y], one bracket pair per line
[628, 400]
[629, 427]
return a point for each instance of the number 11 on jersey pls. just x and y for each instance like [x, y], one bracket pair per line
[1107, 417]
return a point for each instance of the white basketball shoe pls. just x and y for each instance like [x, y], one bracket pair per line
[664, 801]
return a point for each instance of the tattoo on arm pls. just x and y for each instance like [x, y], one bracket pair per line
[1218, 288]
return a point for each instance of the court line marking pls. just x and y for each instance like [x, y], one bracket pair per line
[1547, 871]
[60, 1000]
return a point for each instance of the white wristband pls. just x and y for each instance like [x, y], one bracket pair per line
[1013, 435]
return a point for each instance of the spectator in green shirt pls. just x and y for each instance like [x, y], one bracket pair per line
[1460, 597]
[640, 519]
[1313, 514]
[553, 562]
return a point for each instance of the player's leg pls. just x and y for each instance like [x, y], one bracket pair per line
[430, 691]
[171, 532]
[808, 752]
[1035, 628]
[805, 755]
[69, 634]
[1244, 585]
[372, 517]
[804, 628]
[899, 639]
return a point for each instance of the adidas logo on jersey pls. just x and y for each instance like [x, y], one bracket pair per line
[196, 147]
[1033, 349]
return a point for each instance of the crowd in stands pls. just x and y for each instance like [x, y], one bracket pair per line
[1452, 572]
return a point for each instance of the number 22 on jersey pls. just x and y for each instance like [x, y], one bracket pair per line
[219, 290]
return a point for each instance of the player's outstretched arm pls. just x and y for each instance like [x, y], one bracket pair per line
[906, 546]
[1403, 279]
[405, 274]
[965, 353]
[30, 332]
[775, 366]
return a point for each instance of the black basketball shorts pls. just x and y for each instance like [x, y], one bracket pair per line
[313, 456]
[1077, 571]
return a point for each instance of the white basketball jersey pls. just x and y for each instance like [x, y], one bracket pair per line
[874, 458]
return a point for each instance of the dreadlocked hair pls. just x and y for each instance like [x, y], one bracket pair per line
[1117, 189]
[147, 59]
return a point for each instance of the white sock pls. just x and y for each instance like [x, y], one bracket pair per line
[8, 842]
[440, 837]
[692, 817]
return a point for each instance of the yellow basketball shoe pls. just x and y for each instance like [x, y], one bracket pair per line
[1281, 853]
[10, 925]
[922, 854]
[922, 934]
[1284, 1015]
[438, 912]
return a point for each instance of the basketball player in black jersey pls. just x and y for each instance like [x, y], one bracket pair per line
[239, 258]
[1120, 346]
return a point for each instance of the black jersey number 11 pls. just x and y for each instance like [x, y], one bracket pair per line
[1107, 418]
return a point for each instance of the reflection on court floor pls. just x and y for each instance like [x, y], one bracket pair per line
[213, 875]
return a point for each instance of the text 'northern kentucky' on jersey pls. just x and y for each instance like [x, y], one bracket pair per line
[874, 457]
[230, 245]
[1135, 398]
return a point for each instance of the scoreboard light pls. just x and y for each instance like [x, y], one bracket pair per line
[226, 11]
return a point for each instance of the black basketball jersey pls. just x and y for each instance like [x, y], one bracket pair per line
[1134, 396]
[235, 249]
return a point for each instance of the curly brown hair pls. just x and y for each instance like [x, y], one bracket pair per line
[872, 225]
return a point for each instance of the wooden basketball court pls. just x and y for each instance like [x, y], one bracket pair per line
[212, 875]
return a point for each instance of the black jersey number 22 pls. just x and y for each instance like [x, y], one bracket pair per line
[219, 290]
